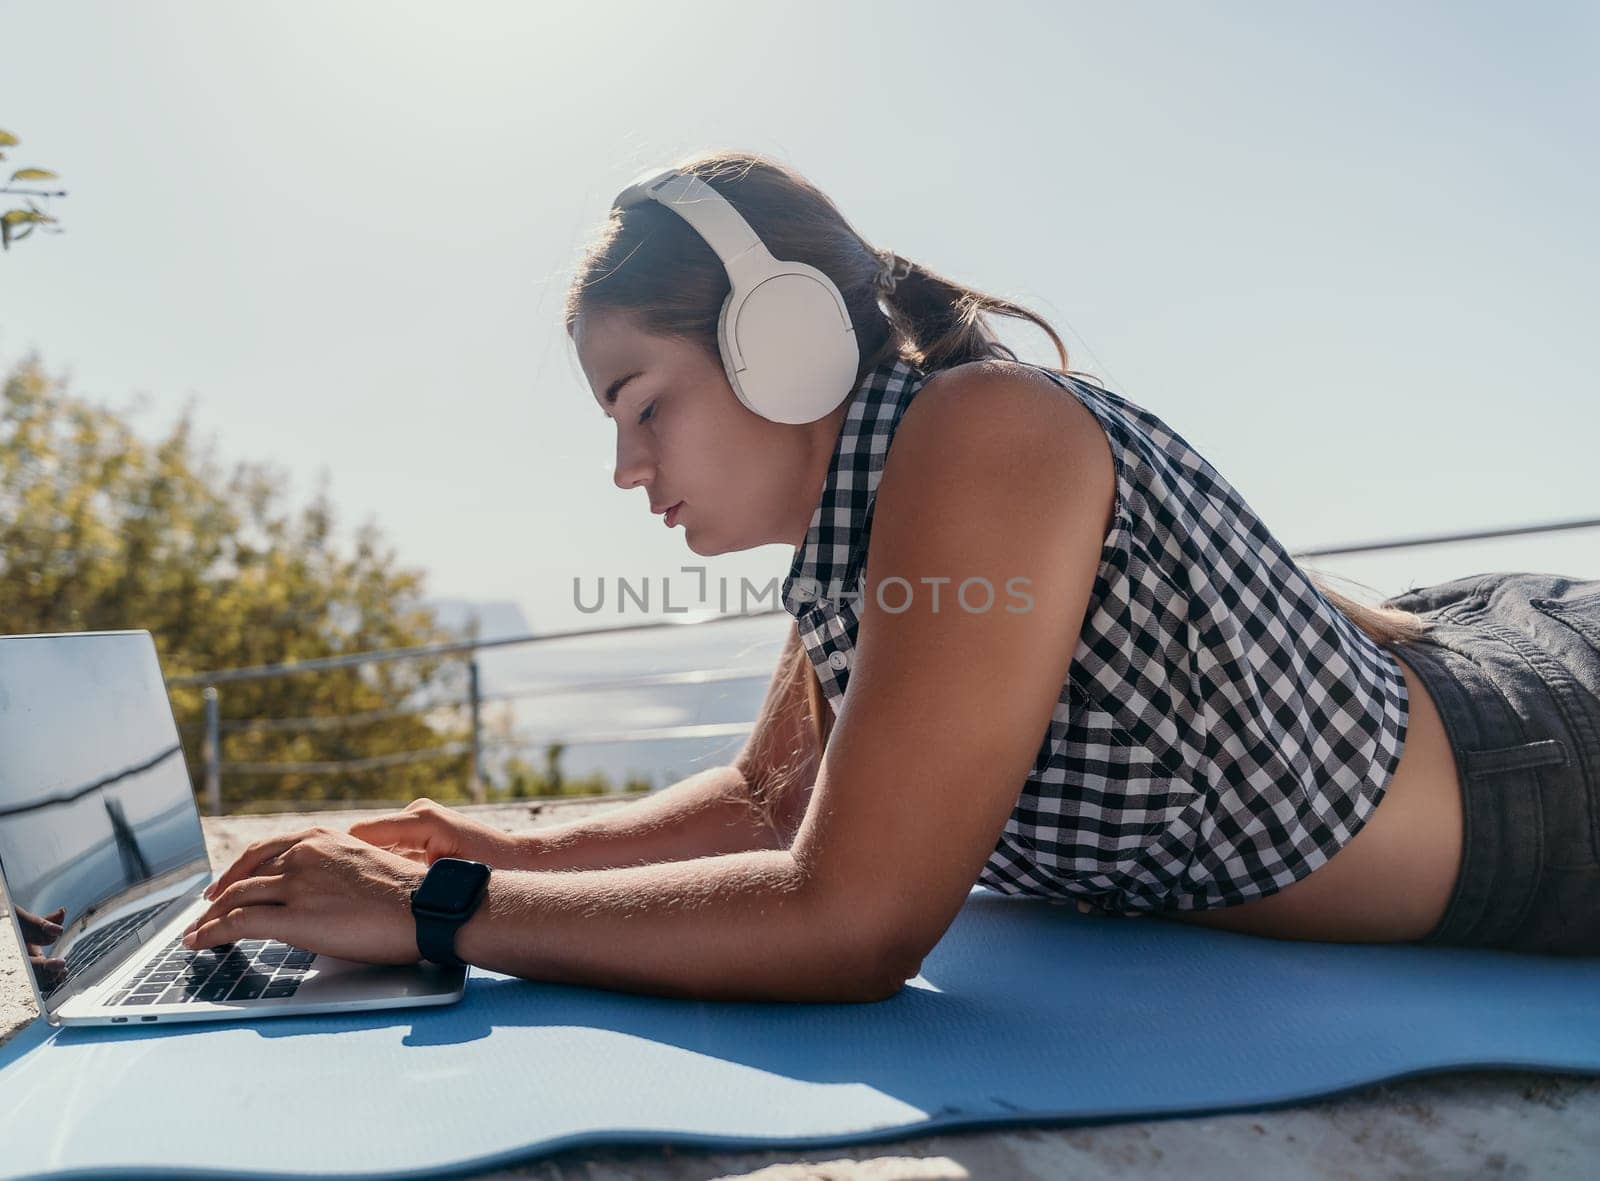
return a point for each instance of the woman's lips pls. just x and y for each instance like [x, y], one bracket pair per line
[671, 515]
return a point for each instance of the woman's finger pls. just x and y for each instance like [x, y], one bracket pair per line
[411, 829]
[39, 929]
[255, 891]
[50, 970]
[254, 854]
[248, 922]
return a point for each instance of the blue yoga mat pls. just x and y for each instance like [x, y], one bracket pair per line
[1026, 1012]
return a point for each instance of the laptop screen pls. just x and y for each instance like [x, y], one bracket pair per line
[99, 831]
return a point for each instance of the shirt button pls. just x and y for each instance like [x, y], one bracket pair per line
[838, 660]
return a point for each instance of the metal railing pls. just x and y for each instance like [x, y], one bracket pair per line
[475, 699]
[1368, 547]
[215, 727]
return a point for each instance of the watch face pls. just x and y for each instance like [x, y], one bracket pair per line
[452, 885]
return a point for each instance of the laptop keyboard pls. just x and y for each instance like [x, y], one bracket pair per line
[89, 949]
[242, 971]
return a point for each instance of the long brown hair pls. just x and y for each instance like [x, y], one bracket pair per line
[650, 265]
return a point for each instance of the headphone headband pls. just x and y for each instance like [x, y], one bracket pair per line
[719, 223]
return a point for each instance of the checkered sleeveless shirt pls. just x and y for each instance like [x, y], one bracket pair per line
[1222, 730]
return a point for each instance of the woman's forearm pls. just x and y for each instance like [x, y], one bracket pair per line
[702, 816]
[740, 926]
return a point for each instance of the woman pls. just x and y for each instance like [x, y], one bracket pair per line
[1224, 739]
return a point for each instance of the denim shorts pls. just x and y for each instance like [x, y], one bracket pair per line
[1513, 662]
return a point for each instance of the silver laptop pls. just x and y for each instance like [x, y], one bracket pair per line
[103, 861]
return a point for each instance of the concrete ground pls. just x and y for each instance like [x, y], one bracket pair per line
[1502, 1123]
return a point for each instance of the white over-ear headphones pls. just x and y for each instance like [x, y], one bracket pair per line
[787, 343]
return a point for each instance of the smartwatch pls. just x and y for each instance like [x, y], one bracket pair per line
[447, 898]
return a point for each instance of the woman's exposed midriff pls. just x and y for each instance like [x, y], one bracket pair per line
[1393, 880]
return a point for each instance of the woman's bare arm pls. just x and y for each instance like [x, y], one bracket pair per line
[702, 816]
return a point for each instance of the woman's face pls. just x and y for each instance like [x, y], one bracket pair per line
[684, 437]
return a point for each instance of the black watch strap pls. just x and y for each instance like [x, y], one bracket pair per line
[436, 938]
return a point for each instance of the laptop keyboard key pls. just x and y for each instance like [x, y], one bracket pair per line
[248, 988]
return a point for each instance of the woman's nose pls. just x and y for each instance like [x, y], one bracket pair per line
[634, 466]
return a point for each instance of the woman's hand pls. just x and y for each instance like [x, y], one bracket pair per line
[38, 933]
[426, 831]
[321, 890]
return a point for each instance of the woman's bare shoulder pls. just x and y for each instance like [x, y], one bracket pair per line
[999, 411]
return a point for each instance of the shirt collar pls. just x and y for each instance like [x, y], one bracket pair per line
[840, 521]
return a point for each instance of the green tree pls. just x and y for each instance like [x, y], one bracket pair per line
[31, 217]
[101, 528]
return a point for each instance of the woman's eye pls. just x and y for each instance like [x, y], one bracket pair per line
[647, 412]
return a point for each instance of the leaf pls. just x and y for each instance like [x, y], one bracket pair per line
[7, 140]
[34, 174]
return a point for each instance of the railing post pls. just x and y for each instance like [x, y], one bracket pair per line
[211, 752]
[476, 785]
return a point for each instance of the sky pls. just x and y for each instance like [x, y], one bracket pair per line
[1347, 251]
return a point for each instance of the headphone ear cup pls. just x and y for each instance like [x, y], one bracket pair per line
[799, 350]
